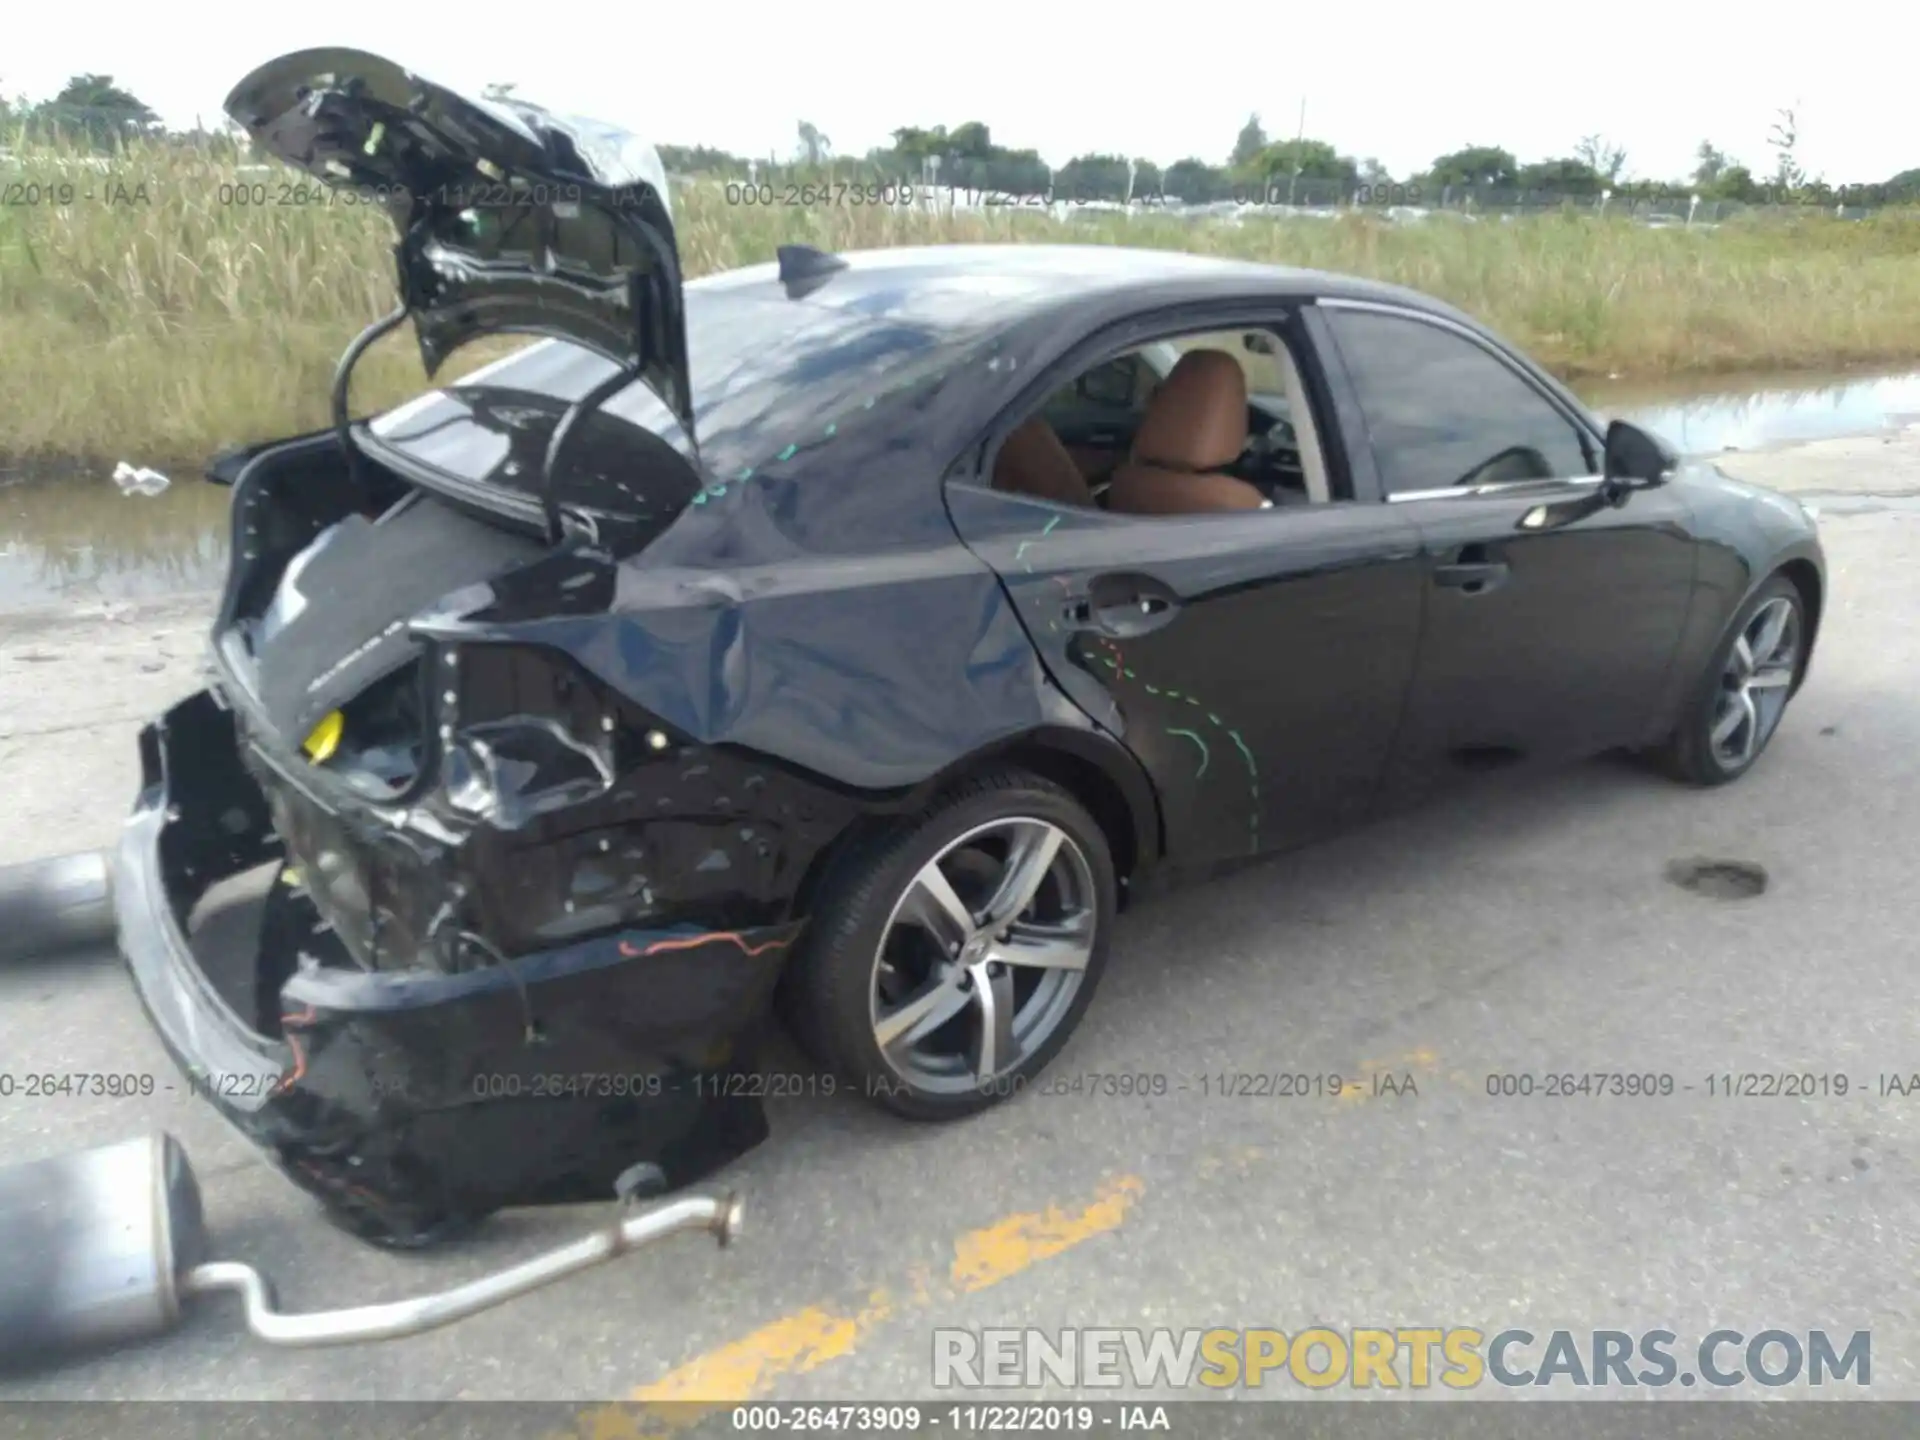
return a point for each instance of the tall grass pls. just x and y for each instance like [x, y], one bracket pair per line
[162, 318]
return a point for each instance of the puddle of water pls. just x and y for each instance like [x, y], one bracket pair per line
[1707, 419]
[78, 539]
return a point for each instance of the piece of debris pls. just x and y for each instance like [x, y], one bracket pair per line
[150, 666]
[139, 480]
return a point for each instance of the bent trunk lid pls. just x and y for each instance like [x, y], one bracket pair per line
[512, 218]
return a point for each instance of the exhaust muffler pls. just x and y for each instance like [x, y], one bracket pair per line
[56, 905]
[104, 1246]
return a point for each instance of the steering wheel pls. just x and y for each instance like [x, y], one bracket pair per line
[1277, 447]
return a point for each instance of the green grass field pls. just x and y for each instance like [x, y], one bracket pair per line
[159, 331]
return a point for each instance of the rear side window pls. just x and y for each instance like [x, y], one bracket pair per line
[1442, 412]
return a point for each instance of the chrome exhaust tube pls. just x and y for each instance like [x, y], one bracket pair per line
[719, 1215]
[50, 906]
[103, 1247]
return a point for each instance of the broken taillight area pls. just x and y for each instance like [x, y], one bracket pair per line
[379, 739]
[453, 787]
[389, 897]
[483, 823]
[506, 772]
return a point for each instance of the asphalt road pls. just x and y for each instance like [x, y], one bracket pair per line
[1525, 929]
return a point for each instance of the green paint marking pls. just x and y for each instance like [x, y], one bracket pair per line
[1206, 756]
[746, 473]
[833, 427]
[1247, 754]
[1020, 553]
[788, 453]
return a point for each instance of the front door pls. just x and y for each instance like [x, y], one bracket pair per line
[1551, 616]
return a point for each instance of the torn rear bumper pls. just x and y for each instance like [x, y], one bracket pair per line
[410, 1099]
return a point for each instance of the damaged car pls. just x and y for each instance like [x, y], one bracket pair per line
[843, 641]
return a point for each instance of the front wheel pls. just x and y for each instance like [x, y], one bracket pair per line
[1740, 701]
[947, 964]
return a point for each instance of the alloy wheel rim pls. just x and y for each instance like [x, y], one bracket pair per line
[983, 955]
[1755, 682]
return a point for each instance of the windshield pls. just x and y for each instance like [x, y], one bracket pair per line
[769, 375]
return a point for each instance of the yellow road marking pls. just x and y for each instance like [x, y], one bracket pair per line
[750, 1367]
[986, 1257]
[791, 1345]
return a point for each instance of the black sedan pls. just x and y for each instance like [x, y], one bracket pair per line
[846, 639]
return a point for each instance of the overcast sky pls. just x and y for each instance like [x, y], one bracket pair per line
[1400, 81]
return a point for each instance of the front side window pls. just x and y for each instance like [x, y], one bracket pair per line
[1441, 412]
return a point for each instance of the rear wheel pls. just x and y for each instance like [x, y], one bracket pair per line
[950, 960]
[1740, 701]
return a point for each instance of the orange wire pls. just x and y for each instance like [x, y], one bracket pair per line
[689, 942]
[292, 1077]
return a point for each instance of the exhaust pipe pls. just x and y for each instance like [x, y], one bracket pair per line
[48, 906]
[105, 1245]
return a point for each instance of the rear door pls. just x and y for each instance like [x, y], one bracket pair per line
[1550, 616]
[1254, 662]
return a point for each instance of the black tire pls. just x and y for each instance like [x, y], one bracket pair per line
[1690, 754]
[829, 992]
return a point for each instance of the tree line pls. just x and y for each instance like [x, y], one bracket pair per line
[1262, 168]
[93, 112]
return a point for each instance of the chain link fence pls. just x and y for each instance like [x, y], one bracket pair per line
[86, 138]
[1674, 207]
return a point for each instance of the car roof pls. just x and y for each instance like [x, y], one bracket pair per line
[1014, 281]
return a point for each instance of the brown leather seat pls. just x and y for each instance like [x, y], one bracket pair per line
[1032, 461]
[1196, 423]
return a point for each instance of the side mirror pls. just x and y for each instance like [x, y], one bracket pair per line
[1636, 459]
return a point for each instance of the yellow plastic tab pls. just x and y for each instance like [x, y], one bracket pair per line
[325, 738]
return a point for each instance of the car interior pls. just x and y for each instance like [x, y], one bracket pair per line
[1195, 424]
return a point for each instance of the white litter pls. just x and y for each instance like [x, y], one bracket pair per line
[138, 480]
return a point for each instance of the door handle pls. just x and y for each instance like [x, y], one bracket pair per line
[1123, 619]
[1474, 569]
[1121, 608]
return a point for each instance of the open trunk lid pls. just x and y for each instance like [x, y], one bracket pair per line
[512, 218]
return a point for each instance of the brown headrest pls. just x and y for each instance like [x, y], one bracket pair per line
[1032, 461]
[1197, 419]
